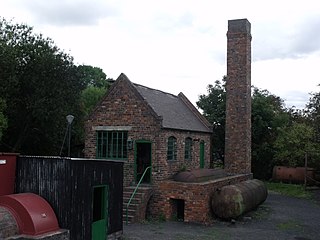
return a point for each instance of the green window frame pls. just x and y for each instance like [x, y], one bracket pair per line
[188, 148]
[172, 149]
[112, 144]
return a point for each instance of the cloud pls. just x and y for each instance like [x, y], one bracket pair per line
[70, 12]
[308, 37]
[288, 39]
[166, 22]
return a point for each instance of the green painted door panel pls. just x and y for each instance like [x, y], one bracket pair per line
[99, 212]
[99, 230]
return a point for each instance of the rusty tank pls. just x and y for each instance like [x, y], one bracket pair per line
[199, 175]
[292, 174]
[230, 202]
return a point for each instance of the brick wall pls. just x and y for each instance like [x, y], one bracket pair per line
[164, 169]
[238, 101]
[196, 196]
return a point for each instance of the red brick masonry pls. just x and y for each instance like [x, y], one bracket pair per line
[196, 197]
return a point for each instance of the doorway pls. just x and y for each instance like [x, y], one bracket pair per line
[142, 161]
[177, 209]
[99, 212]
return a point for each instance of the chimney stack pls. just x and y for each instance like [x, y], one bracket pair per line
[238, 100]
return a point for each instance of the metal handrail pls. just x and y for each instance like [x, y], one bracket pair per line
[134, 192]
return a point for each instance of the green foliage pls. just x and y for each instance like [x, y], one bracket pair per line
[96, 85]
[40, 86]
[292, 144]
[90, 97]
[312, 113]
[3, 119]
[213, 106]
[268, 118]
[92, 76]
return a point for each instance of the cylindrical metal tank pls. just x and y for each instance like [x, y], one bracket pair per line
[292, 174]
[199, 175]
[33, 214]
[231, 201]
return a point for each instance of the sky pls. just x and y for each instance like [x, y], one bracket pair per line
[180, 45]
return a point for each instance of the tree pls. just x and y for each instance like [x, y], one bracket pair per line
[96, 83]
[268, 117]
[3, 119]
[213, 106]
[93, 76]
[293, 143]
[312, 113]
[40, 86]
[90, 97]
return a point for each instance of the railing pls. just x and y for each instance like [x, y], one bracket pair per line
[134, 192]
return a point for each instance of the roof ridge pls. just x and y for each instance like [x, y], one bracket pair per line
[136, 84]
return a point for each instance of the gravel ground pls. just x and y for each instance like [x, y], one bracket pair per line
[279, 217]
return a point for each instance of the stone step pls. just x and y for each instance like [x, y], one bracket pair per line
[132, 207]
[130, 212]
[136, 201]
[130, 218]
[129, 194]
[133, 200]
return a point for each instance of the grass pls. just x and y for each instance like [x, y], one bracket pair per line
[289, 225]
[291, 190]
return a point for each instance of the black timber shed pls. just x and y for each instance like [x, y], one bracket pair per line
[80, 191]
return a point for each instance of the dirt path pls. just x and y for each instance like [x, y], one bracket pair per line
[279, 217]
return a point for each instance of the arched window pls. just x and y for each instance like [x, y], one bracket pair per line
[172, 149]
[188, 148]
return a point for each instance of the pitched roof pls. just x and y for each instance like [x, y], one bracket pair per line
[177, 112]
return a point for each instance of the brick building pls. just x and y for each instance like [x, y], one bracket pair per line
[147, 127]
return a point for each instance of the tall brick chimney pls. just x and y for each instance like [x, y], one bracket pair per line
[238, 101]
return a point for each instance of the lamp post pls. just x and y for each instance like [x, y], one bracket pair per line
[69, 120]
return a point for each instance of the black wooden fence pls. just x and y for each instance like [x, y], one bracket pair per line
[67, 185]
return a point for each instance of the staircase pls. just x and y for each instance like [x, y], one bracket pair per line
[138, 206]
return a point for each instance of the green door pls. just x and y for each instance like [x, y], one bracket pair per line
[202, 154]
[99, 212]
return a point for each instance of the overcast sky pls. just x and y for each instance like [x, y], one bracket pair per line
[180, 46]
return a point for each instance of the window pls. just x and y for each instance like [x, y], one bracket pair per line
[112, 144]
[188, 149]
[172, 148]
